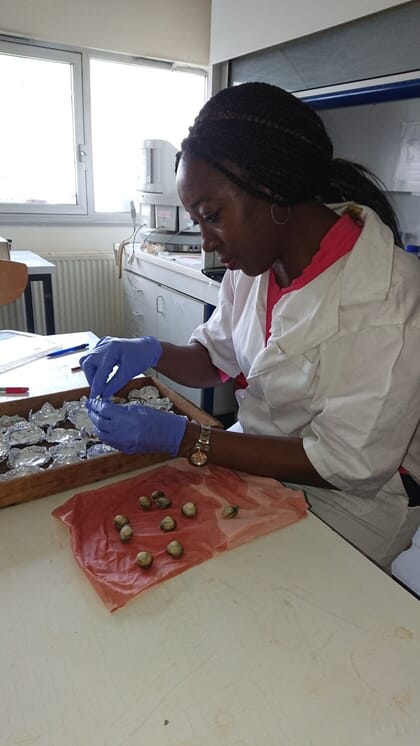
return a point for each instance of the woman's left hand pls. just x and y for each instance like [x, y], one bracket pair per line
[134, 428]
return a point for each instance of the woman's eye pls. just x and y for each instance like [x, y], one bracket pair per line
[210, 218]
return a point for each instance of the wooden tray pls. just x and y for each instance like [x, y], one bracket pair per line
[61, 478]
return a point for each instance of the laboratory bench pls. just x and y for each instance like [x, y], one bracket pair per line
[293, 639]
[290, 640]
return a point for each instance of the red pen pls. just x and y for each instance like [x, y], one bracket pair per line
[13, 390]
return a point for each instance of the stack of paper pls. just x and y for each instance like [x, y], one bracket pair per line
[19, 348]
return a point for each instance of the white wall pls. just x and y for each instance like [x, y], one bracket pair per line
[169, 29]
[65, 239]
[242, 26]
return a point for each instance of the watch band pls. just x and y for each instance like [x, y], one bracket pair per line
[199, 455]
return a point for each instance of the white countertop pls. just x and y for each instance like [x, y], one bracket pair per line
[182, 272]
[294, 639]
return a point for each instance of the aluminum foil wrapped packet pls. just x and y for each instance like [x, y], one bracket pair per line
[81, 420]
[69, 452]
[47, 416]
[6, 420]
[149, 396]
[4, 447]
[99, 449]
[29, 456]
[72, 446]
[75, 404]
[144, 393]
[20, 471]
[158, 403]
[24, 434]
[62, 434]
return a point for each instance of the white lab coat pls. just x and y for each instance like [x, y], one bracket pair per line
[341, 367]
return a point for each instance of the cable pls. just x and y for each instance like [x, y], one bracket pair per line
[126, 241]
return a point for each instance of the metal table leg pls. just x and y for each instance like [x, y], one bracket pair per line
[48, 302]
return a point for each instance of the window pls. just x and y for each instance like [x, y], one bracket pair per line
[130, 103]
[71, 148]
[41, 131]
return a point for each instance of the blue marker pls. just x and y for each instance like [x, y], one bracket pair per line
[68, 350]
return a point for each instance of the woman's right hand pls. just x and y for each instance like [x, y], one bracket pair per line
[129, 356]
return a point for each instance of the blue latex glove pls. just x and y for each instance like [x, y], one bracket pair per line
[131, 356]
[134, 428]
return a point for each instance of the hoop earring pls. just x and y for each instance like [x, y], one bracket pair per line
[275, 220]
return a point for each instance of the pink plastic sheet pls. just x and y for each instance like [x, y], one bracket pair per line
[264, 506]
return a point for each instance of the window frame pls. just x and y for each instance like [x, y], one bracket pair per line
[83, 213]
[75, 60]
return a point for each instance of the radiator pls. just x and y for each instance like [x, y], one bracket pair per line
[87, 296]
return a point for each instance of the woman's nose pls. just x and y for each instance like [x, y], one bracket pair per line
[209, 242]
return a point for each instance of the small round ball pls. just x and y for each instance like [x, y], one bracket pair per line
[126, 532]
[163, 502]
[168, 523]
[120, 521]
[175, 549]
[144, 559]
[144, 502]
[231, 511]
[156, 494]
[189, 510]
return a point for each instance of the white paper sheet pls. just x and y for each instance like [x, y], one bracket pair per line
[18, 348]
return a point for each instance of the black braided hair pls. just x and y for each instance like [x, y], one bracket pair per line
[277, 141]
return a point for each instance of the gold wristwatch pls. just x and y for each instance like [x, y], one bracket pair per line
[199, 455]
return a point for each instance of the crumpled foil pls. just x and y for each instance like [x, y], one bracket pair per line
[47, 416]
[144, 392]
[29, 456]
[4, 447]
[75, 404]
[81, 420]
[67, 448]
[62, 434]
[9, 419]
[99, 449]
[20, 471]
[24, 433]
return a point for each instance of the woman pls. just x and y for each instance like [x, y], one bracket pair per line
[318, 316]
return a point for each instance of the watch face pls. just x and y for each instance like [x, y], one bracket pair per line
[199, 458]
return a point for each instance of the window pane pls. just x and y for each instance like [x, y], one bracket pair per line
[37, 152]
[147, 103]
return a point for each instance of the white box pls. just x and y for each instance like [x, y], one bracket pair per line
[166, 217]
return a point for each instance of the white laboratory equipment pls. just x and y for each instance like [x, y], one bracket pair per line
[163, 219]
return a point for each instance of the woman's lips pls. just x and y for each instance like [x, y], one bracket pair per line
[229, 263]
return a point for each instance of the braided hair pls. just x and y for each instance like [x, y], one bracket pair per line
[259, 135]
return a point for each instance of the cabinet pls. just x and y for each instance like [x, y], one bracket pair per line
[153, 309]
[235, 32]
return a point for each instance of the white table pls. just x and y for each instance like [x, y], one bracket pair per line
[51, 374]
[293, 640]
[39, 270]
